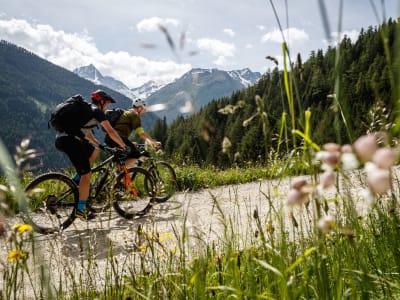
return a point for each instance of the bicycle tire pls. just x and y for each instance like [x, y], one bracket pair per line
[164, 178]
[137, 202]
[51, 202]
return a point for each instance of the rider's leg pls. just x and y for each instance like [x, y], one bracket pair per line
[84, 187]
[94, 155]
[76, 176]
[81, 153]
[133, 155]
[131, 162]
[84, 182]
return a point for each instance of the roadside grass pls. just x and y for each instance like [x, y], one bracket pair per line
[193, 178]
[321, 247]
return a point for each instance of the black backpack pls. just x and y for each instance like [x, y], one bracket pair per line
[71, 115]
[113, 115]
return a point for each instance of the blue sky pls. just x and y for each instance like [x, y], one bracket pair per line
[123, 39]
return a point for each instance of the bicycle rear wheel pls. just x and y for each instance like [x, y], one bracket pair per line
[51, 199]
[164, 178]
[134, 196]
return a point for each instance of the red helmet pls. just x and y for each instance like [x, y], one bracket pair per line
[99, 96]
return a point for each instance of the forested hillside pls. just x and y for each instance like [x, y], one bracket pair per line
[362, 102]
[30, 87]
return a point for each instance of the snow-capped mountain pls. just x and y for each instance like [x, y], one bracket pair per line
[197, 88]
[91, 73]
[146, 89]
[245, 76]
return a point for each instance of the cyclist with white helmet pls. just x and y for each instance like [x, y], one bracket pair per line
[80, 148]
[128, 122]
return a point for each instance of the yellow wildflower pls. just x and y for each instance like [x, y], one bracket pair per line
[142, 248]
[15, 255]
[21, 228]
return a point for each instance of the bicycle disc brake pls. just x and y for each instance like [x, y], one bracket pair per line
[51, 204]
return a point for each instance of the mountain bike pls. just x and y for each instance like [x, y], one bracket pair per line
[163, 174]
[52, 198]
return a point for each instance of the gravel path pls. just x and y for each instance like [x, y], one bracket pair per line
[202, 214]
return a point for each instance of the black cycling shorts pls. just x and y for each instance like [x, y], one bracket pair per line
[135, 153]
[78, 151]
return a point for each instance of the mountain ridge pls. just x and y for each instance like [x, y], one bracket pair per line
[197, 88]
[91, 73]
[185, 94]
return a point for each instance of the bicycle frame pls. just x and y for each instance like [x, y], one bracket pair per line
[107, 166]
[104, 169]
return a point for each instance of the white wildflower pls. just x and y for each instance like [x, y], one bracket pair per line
[349, 161]
[326, 223]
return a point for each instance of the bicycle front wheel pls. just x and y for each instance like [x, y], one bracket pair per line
[164, 178]
[51, 202]
[134, 193]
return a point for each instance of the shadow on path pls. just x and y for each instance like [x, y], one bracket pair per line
[92, 239]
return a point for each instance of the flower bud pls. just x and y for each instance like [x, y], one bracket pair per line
[226, 145]
[365, 147]
[379, 181]
[346, 148]
[330, 158]
[326, 223]
[298, 183]
[295, 197]
[331, 147]
[384, 158]
[327, 179]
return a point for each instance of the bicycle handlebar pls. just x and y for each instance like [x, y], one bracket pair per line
[116, 151]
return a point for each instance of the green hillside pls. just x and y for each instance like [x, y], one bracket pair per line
[30, 87]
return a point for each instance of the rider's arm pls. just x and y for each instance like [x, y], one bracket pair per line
[112, 133]
[90, 137]
[146, 137]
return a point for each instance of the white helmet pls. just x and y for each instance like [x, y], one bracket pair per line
[138, 102]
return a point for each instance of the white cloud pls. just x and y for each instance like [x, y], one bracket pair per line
[217, 48]
[75, 50]
[221, 61]
[152, 24]
[229, 32]
[336, 37]
[291, 35]
[352, 34]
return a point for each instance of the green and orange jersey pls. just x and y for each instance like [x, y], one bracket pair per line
[128, 122]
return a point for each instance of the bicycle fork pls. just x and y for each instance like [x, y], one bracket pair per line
[128, 182]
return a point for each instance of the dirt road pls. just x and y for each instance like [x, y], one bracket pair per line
[202, 215]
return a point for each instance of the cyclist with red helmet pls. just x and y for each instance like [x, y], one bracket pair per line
[82, 148]
[128, 122]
